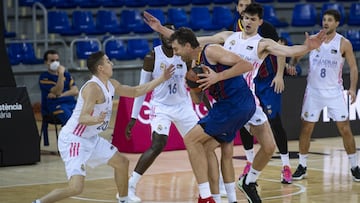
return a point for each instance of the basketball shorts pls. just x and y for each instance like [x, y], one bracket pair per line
[259, 117]
[77, 152]
[182, 115]
[315, 100]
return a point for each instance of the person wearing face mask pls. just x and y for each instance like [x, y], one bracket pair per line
[58, 89]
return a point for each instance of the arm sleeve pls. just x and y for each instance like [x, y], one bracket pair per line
[145, 77]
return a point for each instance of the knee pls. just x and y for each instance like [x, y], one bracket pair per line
[269, 148]
[76, 189]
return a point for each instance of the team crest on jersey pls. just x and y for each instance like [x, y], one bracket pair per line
[232, 42]
[82, 167]
[333, 51]
[159, 128]
[162, 66]
[179, 66]
[306, 114]
[249, 48]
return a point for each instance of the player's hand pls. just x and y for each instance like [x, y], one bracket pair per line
[290, 70]
[278, 84]
[168, 72]
[128, 128]
[152, 21]
[101, 117]
[352, 95]
[51, 96]
[314, 41]
[208, 78]
[61, 70]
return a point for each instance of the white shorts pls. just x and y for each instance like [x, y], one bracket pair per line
[259, 117]
[182, 115]
[316, 100]
[77, 152]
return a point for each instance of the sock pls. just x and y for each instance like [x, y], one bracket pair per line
[353, 160]
[134, 179]
[252, 176]
[216, 197]
[37, 201]
[122, 199]
[204, 190]
[249, 155]
[303, 159]
[230, 191]
[285, 159]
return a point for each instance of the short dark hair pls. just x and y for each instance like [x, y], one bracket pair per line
[185, 35]
[94, 60]
[51, 51]
[255, 9]
[334, 13]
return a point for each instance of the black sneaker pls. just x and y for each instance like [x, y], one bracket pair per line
[300, 173]
[356, 174]
[249, 190]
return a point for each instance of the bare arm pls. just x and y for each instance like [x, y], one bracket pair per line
[155, 24]
[216, 54]
[278, 81]
[73, 91]
[135, 91]
[350, 58]
[59, 87]
[218, 38]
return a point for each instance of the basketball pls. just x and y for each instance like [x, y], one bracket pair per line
[192, 77]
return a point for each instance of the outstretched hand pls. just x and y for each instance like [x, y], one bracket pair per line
[314, 41]
[209, 78]
[168, 72]
[152, 21]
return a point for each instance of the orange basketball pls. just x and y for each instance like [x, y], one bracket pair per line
[192, 77]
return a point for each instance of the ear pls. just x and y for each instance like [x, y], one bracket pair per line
[261, 22]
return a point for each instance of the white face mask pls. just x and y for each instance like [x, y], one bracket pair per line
[54, 65]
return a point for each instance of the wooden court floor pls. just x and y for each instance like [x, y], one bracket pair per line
[170, 178]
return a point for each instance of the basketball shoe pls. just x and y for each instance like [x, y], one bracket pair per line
[356, 174]
[246, 169]
[286, 175]
[206, 200]
[300, 173]
[249, 190]
[132, 198]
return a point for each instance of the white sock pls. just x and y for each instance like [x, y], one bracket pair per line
[252, 176]
[285, 159]
[303, 159]
[230, 191]
[37, 201]
[249, 155]
[204, 190]
[134, 179]
[353, 160]
[216, 197]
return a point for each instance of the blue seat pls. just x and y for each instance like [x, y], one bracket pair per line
[85, 48]
[156, 42]
[354, 37]
[87, 3]
[264, 1]
[317, 1]
[112, 3]
[336, 6]
[58, 22]
[354, 14]
[9, 34]
[288, 1]
[63, 3]
[136, 3]
[158, 13]
[286, 35]
[304, 15]
[222, 17]
[222, 1]
[201, 2]
[158, 2]
[28, 3]
[28, 54]
[83, 21]
[200, 18]
[272, 18]
[14, 53]
[133, 21]
[178, 17]
[137, 48]
[179, 2]
[107, 21]
[116, 49]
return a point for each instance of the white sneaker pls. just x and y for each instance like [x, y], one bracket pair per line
[131, 199]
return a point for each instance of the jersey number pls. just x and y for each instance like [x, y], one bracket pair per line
[172, 88]
[323, 72]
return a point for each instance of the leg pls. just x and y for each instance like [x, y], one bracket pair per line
[213, 168]
[248, 143]
[121, 169]
[75, 187]
[304, 145]
[227, 169]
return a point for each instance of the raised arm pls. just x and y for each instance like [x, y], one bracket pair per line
[155, 24]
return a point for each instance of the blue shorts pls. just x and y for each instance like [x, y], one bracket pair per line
[226, 117]
[270, 101]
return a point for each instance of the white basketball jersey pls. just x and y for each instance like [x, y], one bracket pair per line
[248, 50]
[73, 126]
[172, 91]
[325, 65]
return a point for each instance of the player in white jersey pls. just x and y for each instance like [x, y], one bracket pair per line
[257, 52]
[325, 89]
[170, 103]
[79, 141]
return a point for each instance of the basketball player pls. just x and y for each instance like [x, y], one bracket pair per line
[169, 102]
[79, 143]
[325, 89]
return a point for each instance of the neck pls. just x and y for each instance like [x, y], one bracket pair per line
[330, 36]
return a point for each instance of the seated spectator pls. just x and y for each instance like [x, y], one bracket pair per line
[58, 89]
